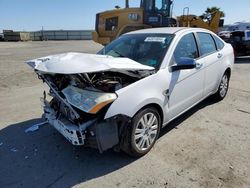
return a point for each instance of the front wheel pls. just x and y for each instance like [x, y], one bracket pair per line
[223, 88]
[143, 133]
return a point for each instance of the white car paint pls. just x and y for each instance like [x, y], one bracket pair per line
[73, 63]
[118, 89]
[174, 92]
[186, 87]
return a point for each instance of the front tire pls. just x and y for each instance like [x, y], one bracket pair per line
[143, 132]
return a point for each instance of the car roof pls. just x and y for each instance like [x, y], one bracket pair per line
[167, 30]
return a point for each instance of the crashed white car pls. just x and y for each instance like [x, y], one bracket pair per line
[123, 96]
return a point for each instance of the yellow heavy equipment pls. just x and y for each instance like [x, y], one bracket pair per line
[212, 23]
[151, 13]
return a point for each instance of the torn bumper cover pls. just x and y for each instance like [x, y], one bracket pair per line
[93, 133]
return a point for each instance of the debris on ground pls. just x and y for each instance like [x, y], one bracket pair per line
[1, 143]
[220, 185]
[243, 111]
[14, 150]
[192, 179]
[35, 127]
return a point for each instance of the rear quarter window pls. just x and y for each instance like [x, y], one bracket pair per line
[219, 43]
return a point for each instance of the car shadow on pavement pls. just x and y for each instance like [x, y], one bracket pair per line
[45, 159]
[173, 124]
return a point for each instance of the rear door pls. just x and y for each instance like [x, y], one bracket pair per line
[212, 60]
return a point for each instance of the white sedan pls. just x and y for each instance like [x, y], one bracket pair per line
[122, 97]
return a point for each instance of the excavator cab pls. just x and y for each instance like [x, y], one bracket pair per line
[158, 13]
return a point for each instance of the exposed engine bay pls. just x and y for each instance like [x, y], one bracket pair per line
[102, 82]
[86, 87]
[80, 100]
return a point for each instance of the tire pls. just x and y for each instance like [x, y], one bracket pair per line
[142, 133]
[223, 87]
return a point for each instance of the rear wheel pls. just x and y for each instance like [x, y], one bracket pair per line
[223, 87]
[143, 133]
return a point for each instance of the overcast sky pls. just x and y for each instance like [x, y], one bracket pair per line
[31, 15]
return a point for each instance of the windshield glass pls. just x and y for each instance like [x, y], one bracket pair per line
[147, 49]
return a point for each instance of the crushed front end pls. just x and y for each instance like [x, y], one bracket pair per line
[78, 100]
[77, 109]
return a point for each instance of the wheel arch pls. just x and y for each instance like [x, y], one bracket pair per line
[157, 107]
[228, 72]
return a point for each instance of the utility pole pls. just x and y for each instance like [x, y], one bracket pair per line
[42, 35]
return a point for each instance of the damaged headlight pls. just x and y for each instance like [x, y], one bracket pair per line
[88, 101]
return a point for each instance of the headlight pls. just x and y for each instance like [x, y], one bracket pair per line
[88, 101]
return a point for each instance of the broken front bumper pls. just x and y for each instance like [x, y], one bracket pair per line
[102, 135]
[70, 131]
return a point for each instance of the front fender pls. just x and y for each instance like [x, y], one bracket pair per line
[132, 98]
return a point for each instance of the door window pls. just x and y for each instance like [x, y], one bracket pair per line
[207, 45]
[186, 48]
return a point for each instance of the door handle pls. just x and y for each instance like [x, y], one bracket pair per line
[198, 65]
[166, 92]
[219, 55]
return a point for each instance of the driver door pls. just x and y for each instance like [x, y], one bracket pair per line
[186, 86]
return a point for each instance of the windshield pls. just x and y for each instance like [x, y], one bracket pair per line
[147, 49]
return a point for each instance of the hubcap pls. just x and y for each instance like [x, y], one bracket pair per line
[146, 131]
[223, 86]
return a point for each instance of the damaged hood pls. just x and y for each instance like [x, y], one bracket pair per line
[74, 63]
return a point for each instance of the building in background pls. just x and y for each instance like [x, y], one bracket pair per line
[10, 35]
[61, 35]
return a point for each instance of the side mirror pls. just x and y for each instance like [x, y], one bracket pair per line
[184, 63]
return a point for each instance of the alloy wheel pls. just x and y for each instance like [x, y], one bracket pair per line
[224, 85]
[146, 131]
